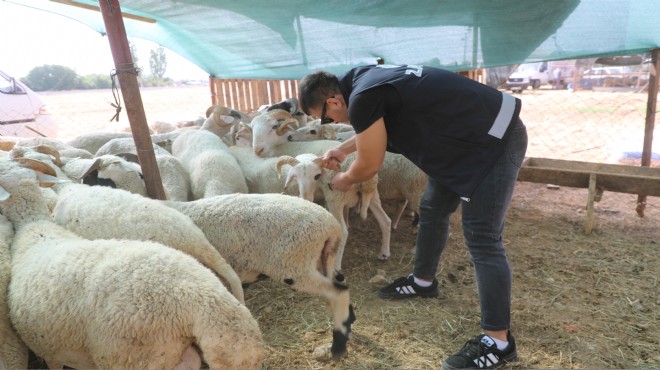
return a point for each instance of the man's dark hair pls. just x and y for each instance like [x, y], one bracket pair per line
[314, 88]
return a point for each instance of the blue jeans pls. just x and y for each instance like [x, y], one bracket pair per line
[483, 223]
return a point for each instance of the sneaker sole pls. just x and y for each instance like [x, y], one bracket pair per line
[400, 296]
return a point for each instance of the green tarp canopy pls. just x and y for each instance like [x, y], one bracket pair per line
[286, 39]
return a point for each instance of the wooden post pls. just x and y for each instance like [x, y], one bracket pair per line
[589, 222]
[127, 76]
[651, 102]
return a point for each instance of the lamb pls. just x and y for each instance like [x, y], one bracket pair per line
[213, 170]
[115, 303]
[285, 238]
[306, 170]
[13, 352]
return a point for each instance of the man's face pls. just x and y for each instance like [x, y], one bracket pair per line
[332, 110]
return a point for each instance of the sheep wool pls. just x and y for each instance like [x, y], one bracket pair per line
[111, 303]
[13, 352]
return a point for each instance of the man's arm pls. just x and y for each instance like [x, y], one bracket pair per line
[370, 146]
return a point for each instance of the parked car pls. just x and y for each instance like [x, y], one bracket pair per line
[22, 111]
[607, 77]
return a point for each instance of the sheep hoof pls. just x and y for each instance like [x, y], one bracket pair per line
[322, 353]
[383, 257]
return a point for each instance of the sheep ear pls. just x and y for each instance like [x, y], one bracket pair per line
[289, 178]
[93, 167]
[4, 194]
[46, 181]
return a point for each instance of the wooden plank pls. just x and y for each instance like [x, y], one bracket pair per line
[611, 177]
[240, 96]
[263, 93]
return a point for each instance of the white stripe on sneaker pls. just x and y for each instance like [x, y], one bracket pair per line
[486, 361]
[408, 289]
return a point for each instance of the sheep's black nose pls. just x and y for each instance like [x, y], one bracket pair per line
[290, 137]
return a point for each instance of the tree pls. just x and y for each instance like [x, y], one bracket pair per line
[52, 77]
[158, 62]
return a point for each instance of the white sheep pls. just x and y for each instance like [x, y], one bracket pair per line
[65, 150]
[13, 352]
[286, 238]
[115, 303]
[271, 129]
[292, 106]
[213, 170]
[330, 131]
[260, 174]
[92, 141]
[92, 213]
[398, 178]
[102, 212]
[173, 175]
[306, 170]
[222, 121]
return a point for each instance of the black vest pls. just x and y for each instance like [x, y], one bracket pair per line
[452, 127]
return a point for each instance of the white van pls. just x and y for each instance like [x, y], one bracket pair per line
[526, 75]
[23, 112]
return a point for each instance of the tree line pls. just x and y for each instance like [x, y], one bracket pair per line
[57, 77]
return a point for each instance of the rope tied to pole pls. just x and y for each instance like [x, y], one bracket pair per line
[115, 91]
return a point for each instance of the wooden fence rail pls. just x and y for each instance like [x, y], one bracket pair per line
[248, 95]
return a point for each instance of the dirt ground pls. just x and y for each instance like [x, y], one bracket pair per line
[579, 301]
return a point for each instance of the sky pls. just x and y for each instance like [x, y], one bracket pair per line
[31, 38]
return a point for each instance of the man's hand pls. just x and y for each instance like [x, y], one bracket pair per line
[332, 159]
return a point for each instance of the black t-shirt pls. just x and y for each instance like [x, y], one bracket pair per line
[450, 126]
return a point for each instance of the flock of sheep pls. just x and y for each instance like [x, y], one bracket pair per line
[106, 277]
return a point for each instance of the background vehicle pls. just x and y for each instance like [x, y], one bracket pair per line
[22, 112]
[606, 77]
[530, 74]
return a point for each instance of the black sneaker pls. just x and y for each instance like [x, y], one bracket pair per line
[481, 353]
[405, 287]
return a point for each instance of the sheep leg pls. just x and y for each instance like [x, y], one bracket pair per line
[385, 223]
[190, 360]
[337, 297]
[338, 212]
[399, 213]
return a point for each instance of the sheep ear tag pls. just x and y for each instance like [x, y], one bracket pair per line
[46, 181]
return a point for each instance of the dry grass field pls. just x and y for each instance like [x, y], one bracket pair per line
[579, 301]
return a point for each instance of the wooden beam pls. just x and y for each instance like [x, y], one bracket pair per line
[651, 103]
[96, 8]
[127, 76]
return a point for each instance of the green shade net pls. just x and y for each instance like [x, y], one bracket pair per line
[287, 39]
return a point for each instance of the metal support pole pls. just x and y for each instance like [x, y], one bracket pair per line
[127, 76]
[651, 104]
